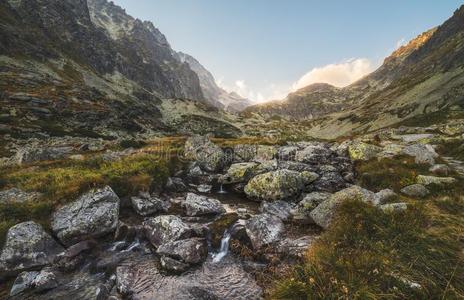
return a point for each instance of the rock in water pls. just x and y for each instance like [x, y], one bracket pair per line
[27, 247]
[92, 215]
[264, 229]
[197, 205]
[165, 229]
[278, 185]
[209, 156]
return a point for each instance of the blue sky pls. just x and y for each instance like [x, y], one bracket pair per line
[263, 48]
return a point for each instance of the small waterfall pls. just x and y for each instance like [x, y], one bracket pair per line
[217, 257]
[221, 190]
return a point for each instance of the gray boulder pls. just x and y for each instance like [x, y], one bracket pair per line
[27, 247]
[440, 170]
[173, 265]
[190, 251]
[209, 156]
[416, 191]
[278, 185]
[240, 172]
[323, 214]
[29, 155]
[196, 205]
[386, 195]
[145, 204]
[175, 185]
[423, 154]
[93, 214]
[279, 208]
[165, 229]
[15, 195]
[301, 213]
[295, 247]
[265, 153]
[23, 282]
[287, 152]
[314, 154]
[244, 152]
[264, 229]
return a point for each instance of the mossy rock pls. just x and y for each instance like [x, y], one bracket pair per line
[363, 151]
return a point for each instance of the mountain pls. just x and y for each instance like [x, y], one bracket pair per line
[212, 92]
[422, 77]
[77, 67]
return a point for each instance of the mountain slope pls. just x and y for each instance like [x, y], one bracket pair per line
[424, 76]
[77, 67]
[212, 92]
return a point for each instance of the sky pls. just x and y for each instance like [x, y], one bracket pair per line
[264, 49]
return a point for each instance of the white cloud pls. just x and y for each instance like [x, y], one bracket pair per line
[340, 74]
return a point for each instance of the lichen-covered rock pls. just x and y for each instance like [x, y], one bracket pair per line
[15, 195]
[287, 152]
[323, 214]
[209, 156]
[92, 215]
[279, 208]
[264, 229]
[190, 251]
[386, 195]
[301, 213]
[264, 153]
[196, 205]
[23, 282]
[435, 181]
[423, 154]
[145, 204]
[27, 247]
[394, 207]
[240, 172]
[244, 152]
[278, 185]
[329, 182]
[29, 155]
[415, 191]
[363, 151]
[164, 229]
[314, 154]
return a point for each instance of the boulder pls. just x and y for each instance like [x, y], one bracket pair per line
[264, 229]
[314, 154]
[197, 205]
[93, 214]
[240, 172]
[27, 247]
[363, 151]
[264, 153]
[435, 181]
[440, 170]
[175, 185]
[295, 247]
[23, 282]
[190, 251]
[301, 213]
[323, 214]
[329, 182]
[209, 156]
[287, 152]
[244, 152]
[386, 195]
[145, 204]
[416, 191]
[173, 265]
[394, 207]
[45, 280]
[279, 208]
[15, 195]
[423, 154]
[29, 155]
[278, 185]
[165, 229]
[204, 188]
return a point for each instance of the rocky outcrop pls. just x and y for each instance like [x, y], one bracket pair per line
[278, 185]
[264, 229]
[165, 229]
[196, 205]
[209, 156]
[92, 215]
[146, 204]
[27, 247]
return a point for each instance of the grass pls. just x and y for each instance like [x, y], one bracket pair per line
[61, 182]
[369, 254]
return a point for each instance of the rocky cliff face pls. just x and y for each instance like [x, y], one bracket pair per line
[422, 77]
[78, 67]
[212, 92]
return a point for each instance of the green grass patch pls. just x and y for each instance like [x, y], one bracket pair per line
[393, 173]
[369, 254]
